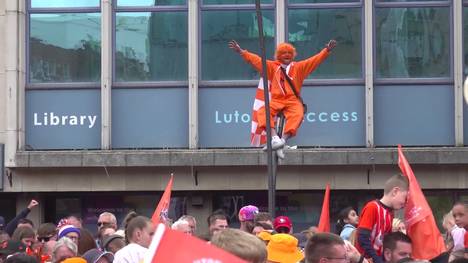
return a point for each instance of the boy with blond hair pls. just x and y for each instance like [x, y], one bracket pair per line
[377, 216]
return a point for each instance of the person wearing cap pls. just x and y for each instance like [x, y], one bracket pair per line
[113, 243]
[283, 248]
[97, 256]
[69, 231]
[282, 224]
[247, 217]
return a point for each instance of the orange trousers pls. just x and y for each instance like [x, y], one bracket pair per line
[292, 110]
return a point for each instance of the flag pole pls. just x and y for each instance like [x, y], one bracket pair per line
[271, 162]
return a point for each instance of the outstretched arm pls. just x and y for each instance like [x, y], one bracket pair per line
[235, 46]
[310, 64]
[251, 58]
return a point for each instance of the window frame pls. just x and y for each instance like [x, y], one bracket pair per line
[143, 9]
[59, 10]
[343, 5]
[412, 81]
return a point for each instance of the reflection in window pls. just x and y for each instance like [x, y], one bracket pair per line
[150, 2]
[412, 42]
[465, 39]
[310, 29]
[320, 1]
[63, 3]
[234, 2]
[148, 48]
[218, 28]
[65, 48]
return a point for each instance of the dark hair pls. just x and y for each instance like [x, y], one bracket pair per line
[86, 241]
[21, 258]
[459, 260]
[133, 221]
[397, 180]
[263, 216]
[25, 221]
[342, 216]
[320, 245]
[265, 226]
[216, 215]
[391, 239]
[46, 230]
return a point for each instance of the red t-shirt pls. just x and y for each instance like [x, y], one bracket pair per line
[377, 218]
[465, 241]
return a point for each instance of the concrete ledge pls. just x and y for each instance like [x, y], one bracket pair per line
[237, 157]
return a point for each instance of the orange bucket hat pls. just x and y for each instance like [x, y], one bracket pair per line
[283, 248]
[284, 47]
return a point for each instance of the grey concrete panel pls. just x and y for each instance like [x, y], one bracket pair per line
[55, 159]
[145, 158]
[229, 158]
[104, 159]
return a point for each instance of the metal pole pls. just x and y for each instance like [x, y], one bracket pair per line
[270, 160]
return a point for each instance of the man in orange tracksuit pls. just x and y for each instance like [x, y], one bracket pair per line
[282, 95]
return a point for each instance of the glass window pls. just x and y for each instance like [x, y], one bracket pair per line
[63, 3]
[65, 48]
[149, 49]
[234, 2]
[320, 1]
[465, 39]
[412, 42]
[310, 29]
[150, 2]
[218, 28]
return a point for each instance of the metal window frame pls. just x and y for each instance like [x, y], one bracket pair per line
[411, 81]
[333, 81]
[53, 85]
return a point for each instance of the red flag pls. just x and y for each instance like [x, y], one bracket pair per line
[324, 223]
[160, 214]
[170, 246]
[420, 224]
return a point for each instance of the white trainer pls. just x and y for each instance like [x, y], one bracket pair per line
[277, 142]
[280, 153]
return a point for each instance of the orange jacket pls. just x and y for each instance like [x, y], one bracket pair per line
[298, 72]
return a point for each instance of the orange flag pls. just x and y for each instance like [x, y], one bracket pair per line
[161, 212]
[324, 223]
[420, 224]
[170, 246]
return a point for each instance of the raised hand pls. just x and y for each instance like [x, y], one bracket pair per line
[235, 46]
[33, 204]
[331, 45]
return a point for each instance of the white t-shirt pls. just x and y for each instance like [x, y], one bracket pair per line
[131, 253]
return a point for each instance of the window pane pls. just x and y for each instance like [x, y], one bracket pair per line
[465, 39]
[233, 2]
[320, 1]
[218, 28]
[64, 3]
[65, 47]
[148, 47]
[310, 29]
[150, 2]
[412, 42]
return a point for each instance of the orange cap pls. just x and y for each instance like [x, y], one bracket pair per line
[283, 248]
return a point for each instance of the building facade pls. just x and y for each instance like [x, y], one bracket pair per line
[102, 100]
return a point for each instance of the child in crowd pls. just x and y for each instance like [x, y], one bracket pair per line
[347, 222]
[460, 214]
[377, 216]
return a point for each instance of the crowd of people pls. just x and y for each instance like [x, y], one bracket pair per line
[373, 236]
